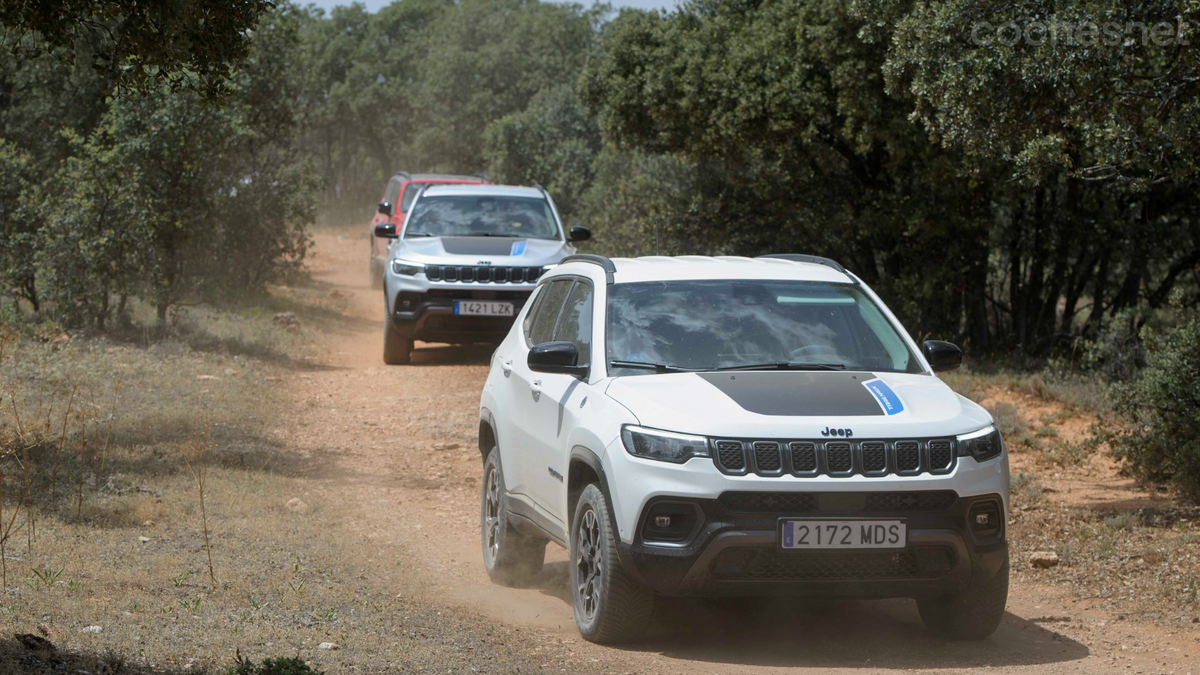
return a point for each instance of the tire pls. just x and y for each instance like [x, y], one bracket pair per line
[972, 614]
[610, 607]
[510, 558]
[397, 349]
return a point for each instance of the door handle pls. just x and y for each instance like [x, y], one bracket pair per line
[536, 388]
[506, 366]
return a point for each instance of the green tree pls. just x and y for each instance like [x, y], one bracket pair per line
[1104, 89]
[87, 253]
[553, 142]
[138, 43]
[19, 225]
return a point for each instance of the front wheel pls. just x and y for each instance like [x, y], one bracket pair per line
[510, 558]
[610, 607]
[972, 614]
[397, 349]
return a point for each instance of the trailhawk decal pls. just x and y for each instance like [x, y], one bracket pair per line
[888, 400]
[802, 394]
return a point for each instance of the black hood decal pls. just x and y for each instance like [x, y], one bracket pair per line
[479, 245]
[793, 393]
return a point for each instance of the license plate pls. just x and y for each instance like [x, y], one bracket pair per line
[483, 308]
[814, 534]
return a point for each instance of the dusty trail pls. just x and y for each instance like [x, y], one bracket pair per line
[406, 469]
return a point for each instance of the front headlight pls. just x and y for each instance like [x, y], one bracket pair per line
[406, 268]
[664, 446]
[547, 268]
[982, 445]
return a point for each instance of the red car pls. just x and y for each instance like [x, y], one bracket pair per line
[400, 191]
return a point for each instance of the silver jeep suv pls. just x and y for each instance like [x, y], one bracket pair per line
[465, 261]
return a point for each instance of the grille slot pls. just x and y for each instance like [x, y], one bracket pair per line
[771, 457]
[839, 457]
[767, 458]
[730, 456]
[759, 564]
[908, 456]
[940, 454]
[807, 502]
[874, 456]
[804, 457]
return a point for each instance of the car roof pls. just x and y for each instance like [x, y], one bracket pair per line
[700, 267]
[482, 190]
[436, 177]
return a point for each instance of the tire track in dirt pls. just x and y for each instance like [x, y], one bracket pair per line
[408, 473]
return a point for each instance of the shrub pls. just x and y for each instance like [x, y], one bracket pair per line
[280, 666]
[1117, 352]
[1159, 434]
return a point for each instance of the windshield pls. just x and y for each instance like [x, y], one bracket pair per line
[467, 216]
[704, 325]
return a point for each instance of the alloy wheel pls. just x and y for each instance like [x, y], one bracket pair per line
[589, 564]
[491, 513]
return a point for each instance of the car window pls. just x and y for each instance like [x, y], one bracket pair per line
[482, 216]
[703, 325]
[534, 301]
[392, 194]
[410, 193]
[547, 311]
[575, 324]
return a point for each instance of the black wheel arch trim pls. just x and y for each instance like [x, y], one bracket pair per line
[487, 419]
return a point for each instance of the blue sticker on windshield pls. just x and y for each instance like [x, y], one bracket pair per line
[888, 400]
[518, 248]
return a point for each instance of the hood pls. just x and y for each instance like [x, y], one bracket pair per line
[499, 251]
[798, 404]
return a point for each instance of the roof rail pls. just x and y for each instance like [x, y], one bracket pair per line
[609, 267]
[800, 257]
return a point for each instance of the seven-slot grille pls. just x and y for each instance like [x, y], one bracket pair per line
[906, 457]
[481, 273]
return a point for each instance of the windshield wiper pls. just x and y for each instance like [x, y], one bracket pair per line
[491, 234]
[656, 367]
[416, 234]
[786, 365]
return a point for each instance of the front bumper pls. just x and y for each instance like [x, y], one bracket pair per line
[732, 550]
[429, 315]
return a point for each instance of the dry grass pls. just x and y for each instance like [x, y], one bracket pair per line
[175, 580]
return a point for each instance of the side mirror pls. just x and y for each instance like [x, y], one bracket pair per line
[942, 355]
[385, 230]
[579, 233]
[385, 208]
[556, 357]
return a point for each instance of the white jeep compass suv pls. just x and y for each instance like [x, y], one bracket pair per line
[699, 426]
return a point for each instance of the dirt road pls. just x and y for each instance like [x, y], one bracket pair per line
[408, 471]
